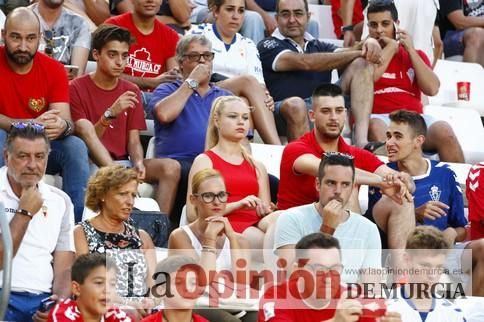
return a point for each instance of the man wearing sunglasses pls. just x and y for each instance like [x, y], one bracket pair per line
[300, 166]
[34, 86]
[41, 222]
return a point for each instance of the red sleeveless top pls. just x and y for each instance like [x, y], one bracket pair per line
[240, 181]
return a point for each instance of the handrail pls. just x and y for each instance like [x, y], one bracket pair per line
[7, 261]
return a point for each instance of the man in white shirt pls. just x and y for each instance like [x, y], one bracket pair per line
[41, 223]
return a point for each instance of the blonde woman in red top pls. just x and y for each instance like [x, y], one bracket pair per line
[249, 207]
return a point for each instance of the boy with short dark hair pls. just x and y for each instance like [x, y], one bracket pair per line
[93, 279]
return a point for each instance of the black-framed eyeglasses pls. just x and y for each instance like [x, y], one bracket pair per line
[37, 127]
[49, 42]
[208, 197]
[338, 154]
[195, 57]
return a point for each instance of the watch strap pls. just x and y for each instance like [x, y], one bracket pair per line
[347, 28]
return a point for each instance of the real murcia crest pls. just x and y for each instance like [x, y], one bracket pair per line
[435, 193]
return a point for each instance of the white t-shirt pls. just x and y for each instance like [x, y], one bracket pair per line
[51, 229]
[442, 310]
[358, 237]
[239, 58]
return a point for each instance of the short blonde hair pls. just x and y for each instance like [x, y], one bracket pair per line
[105, 179]
[202, 176]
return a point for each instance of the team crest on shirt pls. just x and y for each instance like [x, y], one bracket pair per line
[411, 74]
[435, 193]
[269, 43]
[37, 104]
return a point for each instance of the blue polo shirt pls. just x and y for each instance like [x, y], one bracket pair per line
[282, 85]
[438, 184]
[184, 138]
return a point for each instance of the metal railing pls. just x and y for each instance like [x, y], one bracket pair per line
[7, 261]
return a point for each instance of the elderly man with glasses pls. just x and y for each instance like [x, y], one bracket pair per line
[41, 223]
[300, 165]
[34, 86]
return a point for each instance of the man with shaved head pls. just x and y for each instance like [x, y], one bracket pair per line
[34, 87]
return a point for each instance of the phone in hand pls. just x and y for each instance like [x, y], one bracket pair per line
[46, 304]
[395, 31]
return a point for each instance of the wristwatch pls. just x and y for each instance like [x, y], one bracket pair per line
[192, 84]
[24, 212]
[347, 28]
[108, 114]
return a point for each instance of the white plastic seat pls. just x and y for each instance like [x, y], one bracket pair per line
[322, 14]
[269, 155]
[467, 126]
[451, 72]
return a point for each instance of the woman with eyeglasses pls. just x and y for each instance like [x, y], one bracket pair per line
[248, 205]
[210, 238]
[236, 65]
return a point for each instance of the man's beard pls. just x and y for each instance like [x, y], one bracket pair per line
[53, 4]
[19, 57]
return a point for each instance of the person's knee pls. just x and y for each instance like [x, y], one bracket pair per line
[294, 110]
[248, 82]
[478, 250]
[74, 148]
[441, 135]
[168, 170]
[376, 126]
[474, 37]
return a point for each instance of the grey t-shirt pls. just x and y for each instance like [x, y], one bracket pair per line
[358, 237]
[69, 31]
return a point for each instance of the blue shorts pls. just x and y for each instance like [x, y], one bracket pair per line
[22, 305]
[454, 43]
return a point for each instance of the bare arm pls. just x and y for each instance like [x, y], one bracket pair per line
[346, 14]
[62, 273]
[79, 58]
[269, 21]
[427, 80]
[181, 11]
[309, 164]
[97, 151]
[390, 49]
[460, 21]
[97, 10]
[125, 6]
[80, 241]
[438, 45]
[135, 151]
[319, 62]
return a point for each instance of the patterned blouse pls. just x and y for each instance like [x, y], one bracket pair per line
[125, 250]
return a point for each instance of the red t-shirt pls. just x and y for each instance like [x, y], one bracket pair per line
[279, 305]
[68, 311]
[158, 317]
[240, 181]
[149, 53]
[398, 87]
[338, 22]
[88, 101]
[297, 189]
[29, 95]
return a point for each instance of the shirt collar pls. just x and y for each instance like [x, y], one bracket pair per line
[307, 37]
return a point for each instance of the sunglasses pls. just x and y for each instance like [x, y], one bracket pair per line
[22, 126]
[49, 42]
[338, 154]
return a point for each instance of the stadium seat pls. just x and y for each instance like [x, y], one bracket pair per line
[451, 72]
[322, 14]
[269, 155]
[467, 126]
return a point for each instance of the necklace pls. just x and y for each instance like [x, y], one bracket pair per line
[166, 319]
